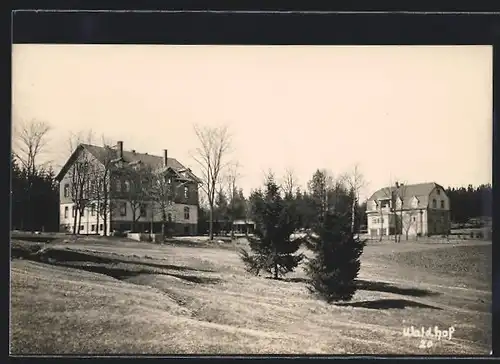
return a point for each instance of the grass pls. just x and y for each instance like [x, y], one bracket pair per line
[109, 297]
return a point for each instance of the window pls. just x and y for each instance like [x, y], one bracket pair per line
[442, 204]
[438, 191]
[66, 190]
[101, 227]
[434, 203]
[83, 212]
[143, 210]
[92, 209]
[186, 191]
[73, 211]
[66, 210]
[123, 209]
[127, 186]
[186, 213]
[92, 228]
[169, 217]
[414, 219]
[81, 227]
[118, 186]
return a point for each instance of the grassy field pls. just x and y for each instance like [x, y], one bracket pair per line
[122, 297]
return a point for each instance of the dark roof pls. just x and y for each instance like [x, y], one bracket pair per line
[128, 156]
[420, 190]
[101, 154]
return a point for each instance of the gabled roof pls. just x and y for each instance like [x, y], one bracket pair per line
[101, 154]
[420, 190]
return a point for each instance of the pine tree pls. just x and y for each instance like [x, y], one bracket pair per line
[335, 266]
[275, 219]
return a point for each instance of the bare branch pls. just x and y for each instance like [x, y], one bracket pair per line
[30, 141]
[355, 182]
[290, 182]
[215, 145]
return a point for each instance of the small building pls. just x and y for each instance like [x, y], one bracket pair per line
[243, 227]
[420, 209]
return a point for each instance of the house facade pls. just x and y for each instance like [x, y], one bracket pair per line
[420, 209]
[97, 196]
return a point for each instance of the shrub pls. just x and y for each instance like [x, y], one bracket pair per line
[335, 267]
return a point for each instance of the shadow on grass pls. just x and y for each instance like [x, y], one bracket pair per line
[163, 266]
[390, 288]
[378, 287]
[122, 273]
[100, 265]
[385, 304]
[63, 255]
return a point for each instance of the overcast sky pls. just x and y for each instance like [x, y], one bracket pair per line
[413, 114]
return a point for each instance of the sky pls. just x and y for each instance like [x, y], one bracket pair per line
[407, 113]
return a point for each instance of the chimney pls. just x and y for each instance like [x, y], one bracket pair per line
[120, 149]
[165, 157]
[397, 184]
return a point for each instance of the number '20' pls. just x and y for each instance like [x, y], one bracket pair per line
[425, 344]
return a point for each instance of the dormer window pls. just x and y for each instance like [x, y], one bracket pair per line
[414, 202]
[385, 203]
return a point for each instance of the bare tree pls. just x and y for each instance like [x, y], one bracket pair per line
[30, 141]
[409, 221]
[136, 178]
[396, 195]
[102, 181]
[215, 144]
[400, 199]
[355, 182]
[80, 174]
[163, 195]
[231, 178]
[289, 184]
[325, 190]
[388, 195]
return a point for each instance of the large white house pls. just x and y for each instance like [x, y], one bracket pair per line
[183, 208]
[418, 209]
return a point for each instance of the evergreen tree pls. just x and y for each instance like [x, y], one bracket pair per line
[276, 219]
[336, 262]
[335, 266]
[34, 199]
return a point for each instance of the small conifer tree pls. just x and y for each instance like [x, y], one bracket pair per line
[336, 263]
[272, 248]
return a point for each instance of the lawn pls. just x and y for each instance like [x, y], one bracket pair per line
[123, 297]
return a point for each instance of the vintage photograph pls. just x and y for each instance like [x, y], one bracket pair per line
[239, 200]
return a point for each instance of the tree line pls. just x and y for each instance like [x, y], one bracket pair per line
[35, 193]
[34, 199]
[470, 202]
